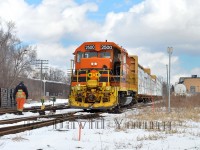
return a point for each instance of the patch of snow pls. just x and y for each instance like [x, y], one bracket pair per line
[102, 134]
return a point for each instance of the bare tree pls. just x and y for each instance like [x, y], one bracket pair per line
[55, 74]
[15, 59]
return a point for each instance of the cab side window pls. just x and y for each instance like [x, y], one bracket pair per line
[79, 56]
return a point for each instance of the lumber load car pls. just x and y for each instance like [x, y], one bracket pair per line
[105, 76]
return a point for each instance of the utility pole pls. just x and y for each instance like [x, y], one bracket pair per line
[72, 70]
[167, 85]
[169, 50]
[42, 65]
[44, 86]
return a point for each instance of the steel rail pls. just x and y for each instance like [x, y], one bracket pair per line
[15, 120]
[21, 128]
[34, 109]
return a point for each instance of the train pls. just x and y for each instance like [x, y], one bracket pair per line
[105, 77]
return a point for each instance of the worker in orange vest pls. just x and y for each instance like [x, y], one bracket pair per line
[20, 95]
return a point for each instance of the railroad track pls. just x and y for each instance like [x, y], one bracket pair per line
[15, 120]
[54, 120]
[34, 109]
[135, 106]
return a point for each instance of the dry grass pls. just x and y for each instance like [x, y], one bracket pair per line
[197, 134]
[150, 137]
[18, 139]
[177, 122]
[176, 131]
[178, 115]
[181, 102]
[138, 146]
[124, 145]
[182, 109]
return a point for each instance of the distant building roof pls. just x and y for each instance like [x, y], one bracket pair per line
[181, 79]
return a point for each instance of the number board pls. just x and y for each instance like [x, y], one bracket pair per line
[106, 47]
[90, 47]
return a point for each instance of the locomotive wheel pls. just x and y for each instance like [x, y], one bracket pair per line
[116, 110]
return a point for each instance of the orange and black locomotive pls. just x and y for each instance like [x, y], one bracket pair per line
[104, 77]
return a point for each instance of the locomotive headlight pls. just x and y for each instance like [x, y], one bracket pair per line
[78, 88]
[93, 63]
[108, 88]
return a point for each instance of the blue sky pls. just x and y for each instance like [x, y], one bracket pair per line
[188, 61]
[107, 5]
[104, 6]
[33, 2]
[144, 27]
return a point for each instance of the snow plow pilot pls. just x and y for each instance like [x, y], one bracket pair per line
[20, 95]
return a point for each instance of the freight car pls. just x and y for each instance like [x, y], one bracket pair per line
[106, 77]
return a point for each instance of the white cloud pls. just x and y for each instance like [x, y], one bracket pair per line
[196, 71]
[147, 29]
[158, 24]
[57, 55]
[151, 26]
[49, 21]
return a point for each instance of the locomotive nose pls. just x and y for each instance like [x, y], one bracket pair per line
[93, 77]
[95, 63]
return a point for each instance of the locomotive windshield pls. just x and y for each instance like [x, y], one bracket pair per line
[105, 54]
[92, 54]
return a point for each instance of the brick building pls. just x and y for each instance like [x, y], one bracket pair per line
[192, 84]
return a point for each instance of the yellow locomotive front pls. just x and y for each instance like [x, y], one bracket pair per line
[92, 93]
[99, 80]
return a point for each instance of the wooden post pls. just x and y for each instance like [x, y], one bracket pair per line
[79, 133]
[153, 104]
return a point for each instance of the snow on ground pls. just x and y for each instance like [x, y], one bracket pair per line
[47, 102]
[107, 133]
[35, 103]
